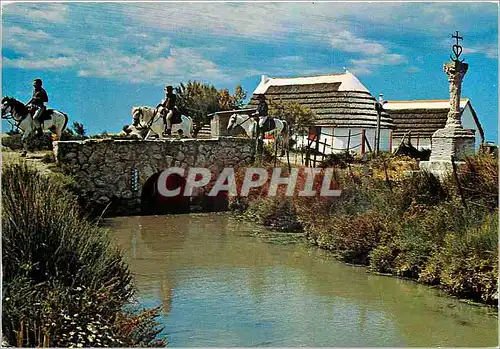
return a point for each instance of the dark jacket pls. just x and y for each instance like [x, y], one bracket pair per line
[170, 102]
[262, 108]
[39, 97]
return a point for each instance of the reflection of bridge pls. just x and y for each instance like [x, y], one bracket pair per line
[117, 171]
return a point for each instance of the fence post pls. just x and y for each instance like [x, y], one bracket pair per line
[333, 140]
[390, 141]
[316, 148]
[348, 141]
[418, 140]
[362, 141]
[324, 151]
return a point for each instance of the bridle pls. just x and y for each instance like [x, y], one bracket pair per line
[137, 120]
[248, 118]
[10, 116]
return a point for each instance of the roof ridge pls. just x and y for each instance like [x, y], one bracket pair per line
[426, 100]
[308, 76]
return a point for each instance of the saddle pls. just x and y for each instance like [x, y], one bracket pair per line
[176, 117]
[269, 124]
[44, 116]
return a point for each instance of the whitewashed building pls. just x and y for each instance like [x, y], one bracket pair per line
[342, 105]
[424, 117]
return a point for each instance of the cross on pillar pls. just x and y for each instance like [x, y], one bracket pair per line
[457, 49]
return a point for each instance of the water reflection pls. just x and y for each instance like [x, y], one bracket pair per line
[221, 287]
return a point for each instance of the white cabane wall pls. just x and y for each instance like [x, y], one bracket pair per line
[336, 139]
[421, 110]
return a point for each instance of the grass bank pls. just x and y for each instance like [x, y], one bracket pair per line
[409, 225]
[64, 283]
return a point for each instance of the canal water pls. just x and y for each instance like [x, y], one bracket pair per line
[220, 285]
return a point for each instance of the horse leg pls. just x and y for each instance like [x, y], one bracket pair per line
[24, 143]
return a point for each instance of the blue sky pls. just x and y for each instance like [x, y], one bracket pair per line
[98, 60]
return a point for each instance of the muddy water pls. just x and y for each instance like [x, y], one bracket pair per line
[221, 286]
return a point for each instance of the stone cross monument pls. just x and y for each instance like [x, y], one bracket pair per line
[452, 142]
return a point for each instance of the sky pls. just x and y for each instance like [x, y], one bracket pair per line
[98, 60]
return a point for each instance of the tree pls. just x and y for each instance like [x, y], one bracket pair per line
[239, 97]
[299, 118]
[198, 100]
[79, 128]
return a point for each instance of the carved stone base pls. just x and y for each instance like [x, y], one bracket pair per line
[452, 141]
[448, 142]
[440, 168]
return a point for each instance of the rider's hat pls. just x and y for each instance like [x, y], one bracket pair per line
[37, 81]
[169, 88]
[261, 97]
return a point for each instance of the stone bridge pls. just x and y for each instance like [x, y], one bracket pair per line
[121, 175]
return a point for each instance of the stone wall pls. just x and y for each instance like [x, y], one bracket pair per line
[104, 168]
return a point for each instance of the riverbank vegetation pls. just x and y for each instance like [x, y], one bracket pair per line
[64, 284]
[404, 223]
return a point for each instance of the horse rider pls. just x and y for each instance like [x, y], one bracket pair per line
[169, 105]
[37, 101]
[262, 110]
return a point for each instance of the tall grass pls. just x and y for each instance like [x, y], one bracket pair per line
[63, 281]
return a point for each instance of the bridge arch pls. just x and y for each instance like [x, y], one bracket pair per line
[153, 203]
[125, 171]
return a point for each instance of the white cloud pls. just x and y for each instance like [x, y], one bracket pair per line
[383, 59]
[348, 42]
[40, 63]
[182, 64]
[490, 51]
[413, 69]
[374, 53]
[41, 12]
[151, 61]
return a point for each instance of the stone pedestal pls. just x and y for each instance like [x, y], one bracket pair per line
[452, 141]
[449, 143]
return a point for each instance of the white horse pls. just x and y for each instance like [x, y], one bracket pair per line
[52, 120]
[150, 118]
[280, 130]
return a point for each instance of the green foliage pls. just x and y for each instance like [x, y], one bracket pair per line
[467, 264]
[63, 281]
[422, 188]
[479, 180]
[276, 213]
[198, 100]
[79, 128]
[299, 117]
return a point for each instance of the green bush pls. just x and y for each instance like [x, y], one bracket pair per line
[467, 264]
[63, 281]
[276, 212]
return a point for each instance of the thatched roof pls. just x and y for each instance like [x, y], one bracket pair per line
[338, 100]
[424, 117]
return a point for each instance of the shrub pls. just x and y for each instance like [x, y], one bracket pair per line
[64, 283]
[479, 180]
[467, 265]
[276, 213]
[422, 188]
